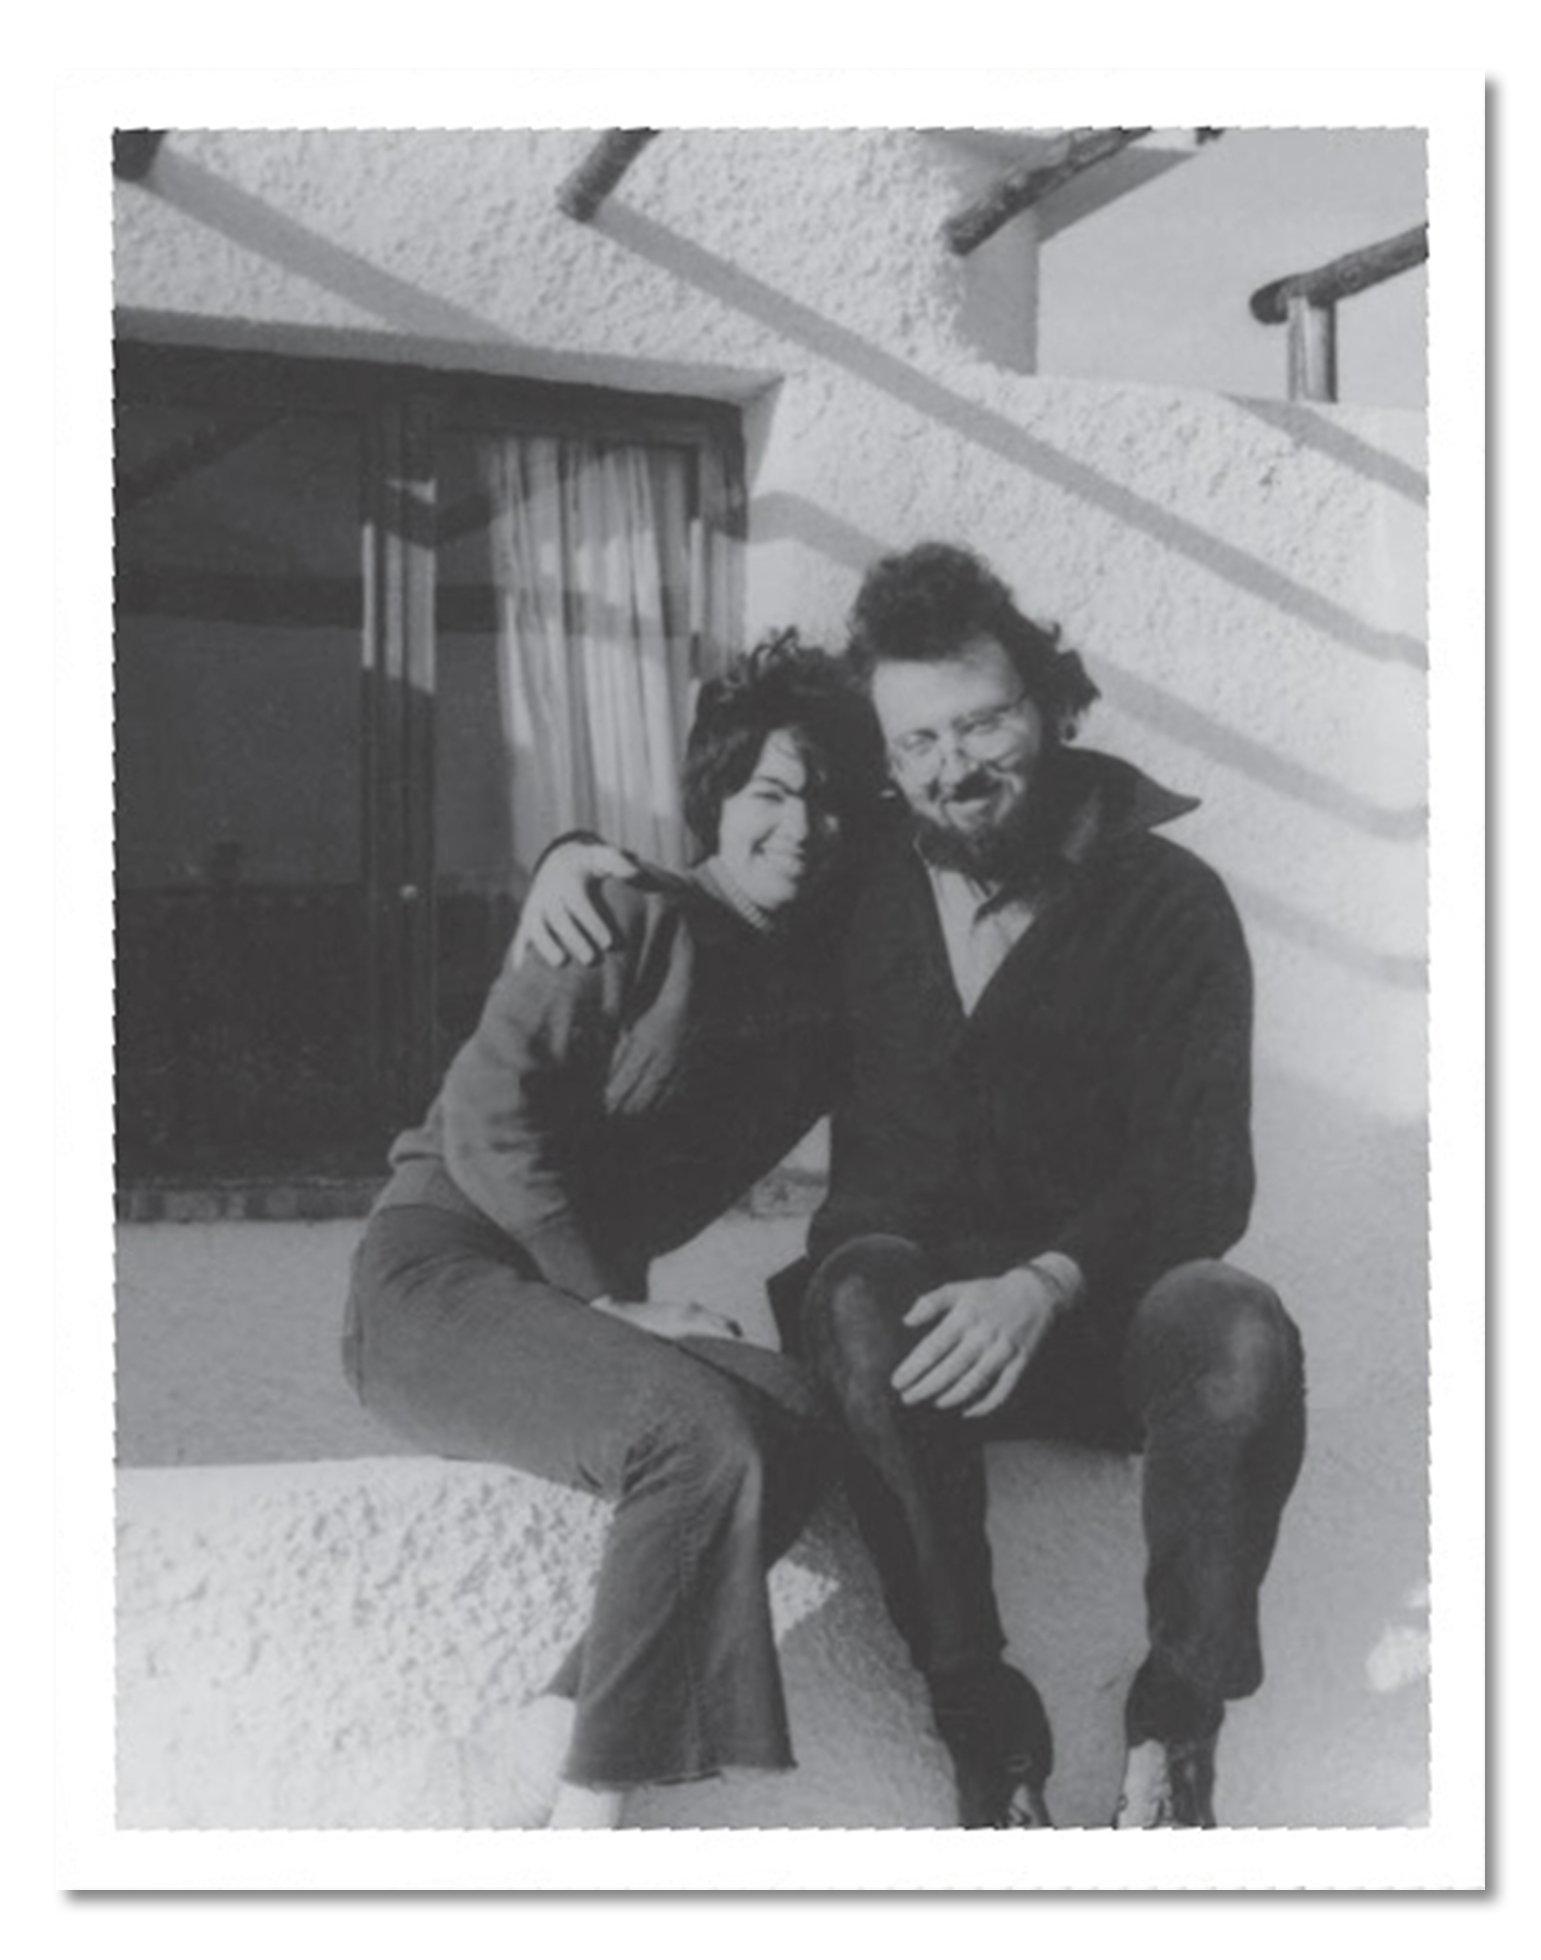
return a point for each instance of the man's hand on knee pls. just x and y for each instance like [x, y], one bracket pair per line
[985, 1333]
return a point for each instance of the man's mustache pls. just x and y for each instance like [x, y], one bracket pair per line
[979, 783]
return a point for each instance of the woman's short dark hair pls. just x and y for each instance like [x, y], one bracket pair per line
[927, 603]
[782, 684]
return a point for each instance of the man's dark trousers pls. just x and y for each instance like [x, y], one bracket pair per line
[1206, 1379]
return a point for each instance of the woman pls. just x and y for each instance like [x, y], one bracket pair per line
[598, 1117]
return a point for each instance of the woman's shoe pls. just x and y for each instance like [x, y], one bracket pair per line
[510, 1779]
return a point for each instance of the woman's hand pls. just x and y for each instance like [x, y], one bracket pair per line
[672, 1319]
[561, 919]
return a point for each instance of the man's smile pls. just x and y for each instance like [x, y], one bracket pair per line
[970, 800]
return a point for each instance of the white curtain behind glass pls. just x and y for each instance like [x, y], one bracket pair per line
[590, 557]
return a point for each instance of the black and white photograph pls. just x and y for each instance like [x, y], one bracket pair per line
[771, 904]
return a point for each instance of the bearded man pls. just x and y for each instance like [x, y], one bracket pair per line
[1039, 1156]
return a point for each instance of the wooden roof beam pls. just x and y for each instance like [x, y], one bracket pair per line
[1019, 190]
[134, 151]
[582, 193]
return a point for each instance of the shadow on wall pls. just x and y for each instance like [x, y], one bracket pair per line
[1340, 445]
[1180, 721]
[1406, 972]
[270, 234]
[828, 340]
[443, 333]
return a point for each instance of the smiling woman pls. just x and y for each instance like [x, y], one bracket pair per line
[598, 1117]
[767, 798]
[773, 836]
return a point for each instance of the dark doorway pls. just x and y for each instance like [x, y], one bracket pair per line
[317, 865]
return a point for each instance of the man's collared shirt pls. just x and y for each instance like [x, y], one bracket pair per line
[980, 925]
[982, 922]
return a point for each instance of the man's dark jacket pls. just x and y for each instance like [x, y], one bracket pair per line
[1097, 1100]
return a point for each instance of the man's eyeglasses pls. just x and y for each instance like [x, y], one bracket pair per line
[983, 737]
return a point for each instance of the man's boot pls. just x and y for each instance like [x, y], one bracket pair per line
[997, 1733]
[1168, 1786]
[1169, 1775]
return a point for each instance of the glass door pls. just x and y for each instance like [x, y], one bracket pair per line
[242, 940]
[327, 803]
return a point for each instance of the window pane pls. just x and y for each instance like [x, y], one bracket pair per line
[240, 980]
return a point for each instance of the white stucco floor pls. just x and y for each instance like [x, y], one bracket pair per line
[319, 1629]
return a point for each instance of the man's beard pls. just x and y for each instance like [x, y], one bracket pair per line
[1015, 849]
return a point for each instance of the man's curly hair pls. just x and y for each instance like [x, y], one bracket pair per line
[782, 684]
[928, 602]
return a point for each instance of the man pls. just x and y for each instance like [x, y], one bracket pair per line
[1038, 1158]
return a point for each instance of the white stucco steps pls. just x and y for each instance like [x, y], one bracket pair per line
[346, 1644]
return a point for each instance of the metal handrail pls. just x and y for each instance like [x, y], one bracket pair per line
[1307, 301]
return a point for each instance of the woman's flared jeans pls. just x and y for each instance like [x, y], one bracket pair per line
[712, 1452]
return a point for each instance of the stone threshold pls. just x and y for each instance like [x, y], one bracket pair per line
[213, 1201]
[786, 1193]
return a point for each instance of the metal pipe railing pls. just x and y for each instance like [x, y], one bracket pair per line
[134, 151]
[1307, 302]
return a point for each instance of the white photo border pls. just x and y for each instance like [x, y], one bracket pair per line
[1447, 1854]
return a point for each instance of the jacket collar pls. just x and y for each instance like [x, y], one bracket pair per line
[1106, 798]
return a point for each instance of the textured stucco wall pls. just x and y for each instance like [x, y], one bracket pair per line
[1244, 578]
